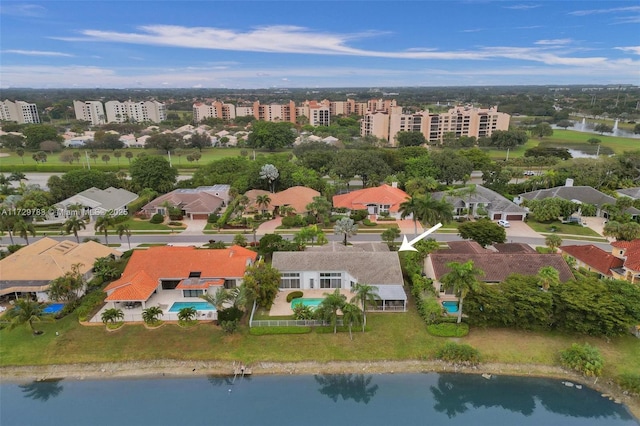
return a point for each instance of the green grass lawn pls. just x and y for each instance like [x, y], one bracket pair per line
[562, 228]
[145, 225]
[397, 336]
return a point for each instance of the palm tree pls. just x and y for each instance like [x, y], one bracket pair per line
[286, 210]
[365, 293]
[410, 208]
[26, 311]
[187, 314]
[352, 315]
[329, 307]
[112, 315]
[124, 229]
[553, 242]
[6, 223]
[346, 227]
[462, 278]
[263, 201]
[219, 298]
[547, 276]
[73, 225]
[150, 315]
[104, 223]
[24, 229]
[432, 211]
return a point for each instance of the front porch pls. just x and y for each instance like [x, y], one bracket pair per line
[163, 299]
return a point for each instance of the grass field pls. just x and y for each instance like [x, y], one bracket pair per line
[562, 228]
[397, 336]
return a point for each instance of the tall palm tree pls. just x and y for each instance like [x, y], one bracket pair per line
[151, 314]
[410, 208]
[104, 223]
[346, 227]
[73, 225]
[219, 298]
[365, 293]
[6, 223]
[112, 315]
[124, 229]
[26, 311]
[462, 278]
[263, 201]
[426, 209]
[352, 315]
[24, 229]
[329, 307]
[548, 275]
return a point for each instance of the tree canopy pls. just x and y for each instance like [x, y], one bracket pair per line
[153, 172]
[483, 231]
[270, 135]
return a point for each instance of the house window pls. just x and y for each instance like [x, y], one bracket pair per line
[384, 208]
[330, 279]
[290, 280]
[192, 293]
[229, 284]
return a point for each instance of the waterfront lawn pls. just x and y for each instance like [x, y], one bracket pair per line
[397, 336]
[562, 228]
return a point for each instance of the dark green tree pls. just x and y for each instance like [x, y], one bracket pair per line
[38, 133]
[262, 283]
[410, 139]
[483, 231]
[270, 135]
[153, 172]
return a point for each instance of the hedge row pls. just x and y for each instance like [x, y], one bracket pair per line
[264, 331]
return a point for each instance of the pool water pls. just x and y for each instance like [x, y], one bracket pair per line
[312, 303]
[451, 307]
[54, 308]
[199, 306]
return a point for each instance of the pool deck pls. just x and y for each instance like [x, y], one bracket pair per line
[281, 307]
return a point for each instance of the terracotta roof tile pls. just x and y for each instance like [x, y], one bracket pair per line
[595, 257]
[383, 194]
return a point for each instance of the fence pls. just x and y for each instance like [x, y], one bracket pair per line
[291, 323]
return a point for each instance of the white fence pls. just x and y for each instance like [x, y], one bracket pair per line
[291, 323]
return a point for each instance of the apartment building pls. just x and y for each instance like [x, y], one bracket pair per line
[90, 111]
[275, 112]
[318, 113]
[461, 121]
[143, 111]
[19, 111]
[216, 109]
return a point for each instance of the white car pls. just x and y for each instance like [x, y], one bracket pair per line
[504, 223]
[529, 173]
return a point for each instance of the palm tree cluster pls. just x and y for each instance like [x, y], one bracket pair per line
[352, 314]
[426, 209]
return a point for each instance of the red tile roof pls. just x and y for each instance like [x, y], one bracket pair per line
[146, 267]
[595, 257]
[383, 194]
[631, 253]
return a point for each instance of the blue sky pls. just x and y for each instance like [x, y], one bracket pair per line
[242, 44]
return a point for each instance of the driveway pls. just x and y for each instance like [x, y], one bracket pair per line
[521, 229]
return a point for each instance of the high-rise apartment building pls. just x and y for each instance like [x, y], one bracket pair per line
[91, 111]
[216, 109]
[120, 112]
[19, 111]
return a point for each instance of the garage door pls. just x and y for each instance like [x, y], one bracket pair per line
[514, 217]
[201, 216]
[497, 216]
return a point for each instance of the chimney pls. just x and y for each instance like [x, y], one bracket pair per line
[568, 182]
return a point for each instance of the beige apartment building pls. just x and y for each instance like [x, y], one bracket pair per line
[19, 111]
[460, 121]
[120, 112]
[216, 109]
[90, 111]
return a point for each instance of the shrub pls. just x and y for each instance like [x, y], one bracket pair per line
[213, 218]
[630, 382]
[459, 354]
[89, 304]
[12, 248]
[585, 359]
[157, 218]
[292, 221]
[359, 215]
[230, 314]
[336, 218]
[173, 223]
[310, 220]
[340, 209]
[229, 327]
[294, 295]
[367, 222]
[447, 329]
[264, 331]
[302, 312]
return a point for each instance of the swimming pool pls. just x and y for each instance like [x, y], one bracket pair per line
[54, 308]
[199, 306]
[312, 303]
[451, 307]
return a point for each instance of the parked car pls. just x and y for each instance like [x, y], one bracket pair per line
[529, 173]
[504, 223]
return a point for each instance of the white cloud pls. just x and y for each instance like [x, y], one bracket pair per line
[522, 6]
[36, 53]
[29, 10]
[603, 11]
[632, 49]
[554, 42]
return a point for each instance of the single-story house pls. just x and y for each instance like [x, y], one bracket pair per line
[594, 259]
[633, 193]
[95, 202]
[340, 270]
[480, 201]
[197, 203]
[297, 197]
[379, 200]
[577, 194]
[176, 274]
[497, 265]
[33, 267]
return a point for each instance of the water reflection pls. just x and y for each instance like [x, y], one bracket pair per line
[42, 390]
[218, 381]
[455, 394]
[349, 386]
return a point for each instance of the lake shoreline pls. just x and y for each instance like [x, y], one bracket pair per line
[174, 368]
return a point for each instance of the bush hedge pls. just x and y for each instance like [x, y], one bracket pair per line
[294, 295]
[157, 218]
[367, 222]
[459, 354]
[446, 329]
[230, 314]
[174, 223]
[265, 331]
[293, 221]
[89, 304]
[629, 382]
[359, 215]
[584, 359]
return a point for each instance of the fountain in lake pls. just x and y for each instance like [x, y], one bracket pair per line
[583, 126]
[615, 128]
